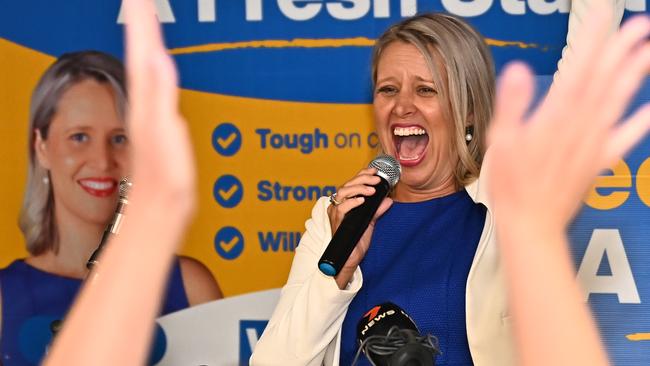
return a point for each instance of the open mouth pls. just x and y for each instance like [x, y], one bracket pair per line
[410, 144]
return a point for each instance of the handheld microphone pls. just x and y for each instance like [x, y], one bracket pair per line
[356, 221]
[113, 227]
[389, 337]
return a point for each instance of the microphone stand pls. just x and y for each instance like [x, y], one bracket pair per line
[112, 229]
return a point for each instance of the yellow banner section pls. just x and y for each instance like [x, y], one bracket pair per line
[20, 69]
[261, 163]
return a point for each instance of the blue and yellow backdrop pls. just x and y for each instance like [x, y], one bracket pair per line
[277, 93]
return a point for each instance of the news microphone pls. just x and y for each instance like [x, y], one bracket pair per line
[356, 221]
[113, 227]
[389, 337]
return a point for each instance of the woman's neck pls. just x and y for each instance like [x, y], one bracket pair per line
[405, 193]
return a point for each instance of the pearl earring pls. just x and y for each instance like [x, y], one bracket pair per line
[469, 130]
[46, 180]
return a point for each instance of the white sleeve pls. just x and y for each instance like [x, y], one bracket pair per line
[580, 10]
[306, 324]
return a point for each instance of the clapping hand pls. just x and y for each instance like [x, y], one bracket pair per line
[544, 163]
[541, 165]
[120, 301]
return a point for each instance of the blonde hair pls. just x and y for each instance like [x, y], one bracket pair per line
[36, 218]
[467, 93]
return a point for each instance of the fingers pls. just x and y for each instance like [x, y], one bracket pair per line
[625, 83]
[585, 108]
[151, 73]
[140, 34]
[163, 162]
[347, 192]
[352, 194]
[142, 31]
[590, 40]
[514, 96]
[361, 185]
[348, 205]
[632, 33]
[165, 90]
[365, 176]
[170, 126]
[622, 70]
[627, 135]
[337, 212]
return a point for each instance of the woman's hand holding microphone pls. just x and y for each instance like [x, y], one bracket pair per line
[352, 194]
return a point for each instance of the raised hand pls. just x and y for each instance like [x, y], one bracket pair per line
[120, 301]
[544, 163]
[540, 167]
[163, 165]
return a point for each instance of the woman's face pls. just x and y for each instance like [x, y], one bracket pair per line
[411, 124]
[86, 152]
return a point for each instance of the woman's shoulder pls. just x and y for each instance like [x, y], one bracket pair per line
[31, 288]
[478, 189]
[200, 285]
[22, 273]
[15, 267]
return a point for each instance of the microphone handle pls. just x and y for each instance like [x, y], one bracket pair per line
[94, 258]
[112, 229]
[352, 227]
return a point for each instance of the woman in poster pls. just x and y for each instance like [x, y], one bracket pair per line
[78, 152]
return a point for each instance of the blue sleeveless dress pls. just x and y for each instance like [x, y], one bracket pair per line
[32, 299]
[419, 259]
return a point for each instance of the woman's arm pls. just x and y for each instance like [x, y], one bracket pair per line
[543, 164]
[311, 309]
[306, 324]
[112, 321]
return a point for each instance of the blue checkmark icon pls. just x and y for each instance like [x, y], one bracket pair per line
[226, 139]
[228, 191]
[229, 243]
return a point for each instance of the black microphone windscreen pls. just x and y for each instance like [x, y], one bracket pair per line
[379, 320]
[389, 337]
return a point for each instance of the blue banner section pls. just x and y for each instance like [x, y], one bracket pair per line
[612, 254]
[221, 58]
[249, 333]
[344, 78]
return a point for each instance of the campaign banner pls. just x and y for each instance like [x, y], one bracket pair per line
[277, 97]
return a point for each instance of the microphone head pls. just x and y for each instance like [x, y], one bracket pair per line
[125, 187]
[388, 168]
